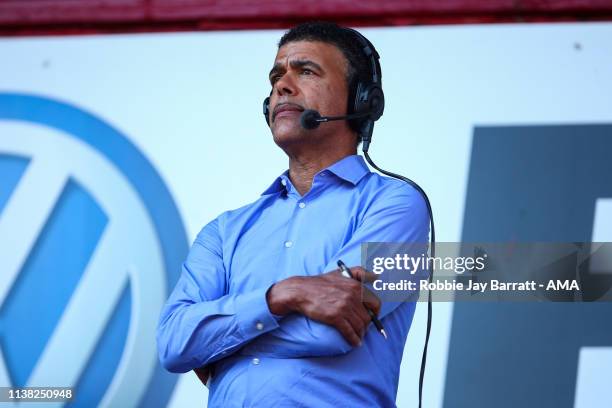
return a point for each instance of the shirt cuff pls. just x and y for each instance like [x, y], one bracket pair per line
[254, 313]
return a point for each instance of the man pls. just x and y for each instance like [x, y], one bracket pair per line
[260, 298]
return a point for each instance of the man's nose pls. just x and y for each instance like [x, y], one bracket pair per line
[286, 85]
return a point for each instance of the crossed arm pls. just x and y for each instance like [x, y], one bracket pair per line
[297, 317]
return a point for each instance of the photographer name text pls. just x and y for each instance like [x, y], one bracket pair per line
[474, 286]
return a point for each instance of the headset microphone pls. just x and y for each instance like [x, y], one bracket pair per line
[311, 119]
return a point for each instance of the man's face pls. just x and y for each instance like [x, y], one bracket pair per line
[306, 75]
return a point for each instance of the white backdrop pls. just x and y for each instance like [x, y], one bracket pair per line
[192, 103]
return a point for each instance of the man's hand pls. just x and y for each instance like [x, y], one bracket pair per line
[203, 373]
[329, 298]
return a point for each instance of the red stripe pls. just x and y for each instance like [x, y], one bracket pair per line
[35, 17]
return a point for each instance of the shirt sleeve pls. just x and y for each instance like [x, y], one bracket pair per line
[399, 216]
[200, 323]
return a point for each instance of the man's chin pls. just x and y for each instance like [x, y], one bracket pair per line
[285, 134]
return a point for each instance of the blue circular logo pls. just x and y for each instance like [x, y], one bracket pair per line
[65, 242]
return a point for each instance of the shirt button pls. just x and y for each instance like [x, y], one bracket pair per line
[302, 205]
[283, 182]
[255, 361]
[288, 244]
[259, 326]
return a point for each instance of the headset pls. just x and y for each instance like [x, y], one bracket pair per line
[366, 104]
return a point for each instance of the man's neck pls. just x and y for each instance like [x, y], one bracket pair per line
[302, 168]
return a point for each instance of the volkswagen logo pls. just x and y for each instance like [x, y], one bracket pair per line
[91, 242]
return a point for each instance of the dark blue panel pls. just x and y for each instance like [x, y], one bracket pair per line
[531, 183]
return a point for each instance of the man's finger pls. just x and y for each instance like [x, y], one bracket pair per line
[362, 275]
[363, 315]
[357, 321]
[347, 331]
[203, 373]
[371, 301]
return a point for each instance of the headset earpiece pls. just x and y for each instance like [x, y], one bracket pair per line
[366, 97]
[266, 110]
[375, 101]
[369, 98]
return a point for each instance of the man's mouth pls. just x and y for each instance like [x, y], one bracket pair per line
[286, 109]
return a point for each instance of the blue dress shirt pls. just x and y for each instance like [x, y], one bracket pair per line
[218, 313]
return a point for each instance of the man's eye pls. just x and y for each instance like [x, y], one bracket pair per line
[307, 72]
[274, 78]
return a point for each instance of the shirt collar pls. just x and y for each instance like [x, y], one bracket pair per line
[351, 168]
[279, 184]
